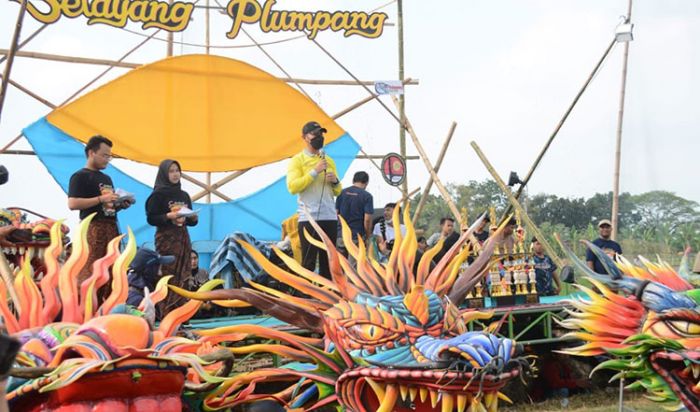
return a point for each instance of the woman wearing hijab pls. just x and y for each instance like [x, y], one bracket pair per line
[172, 238]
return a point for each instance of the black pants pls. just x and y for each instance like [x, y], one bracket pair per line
[309, 252]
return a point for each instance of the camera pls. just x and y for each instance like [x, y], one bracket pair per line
[4, 175]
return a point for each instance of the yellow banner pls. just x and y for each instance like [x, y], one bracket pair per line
[210, 113]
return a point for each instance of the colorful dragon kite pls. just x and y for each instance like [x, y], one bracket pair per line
[21, 239]
[392, 339]
[647, 318]
[100, 358]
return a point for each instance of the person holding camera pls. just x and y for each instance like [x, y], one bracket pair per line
[384, 231]
[91, 191]
[312, 176]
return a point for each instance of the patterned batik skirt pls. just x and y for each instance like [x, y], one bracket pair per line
[174, 241]
[99, 234]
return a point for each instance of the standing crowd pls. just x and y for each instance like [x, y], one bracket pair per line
[312, 176]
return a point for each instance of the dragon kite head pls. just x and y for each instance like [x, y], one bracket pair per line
[100, 355]
[647, 317]
[393, 337]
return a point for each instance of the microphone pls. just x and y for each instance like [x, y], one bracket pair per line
[322, 155]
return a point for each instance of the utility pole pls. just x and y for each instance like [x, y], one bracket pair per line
[402, 101]
[618, 140]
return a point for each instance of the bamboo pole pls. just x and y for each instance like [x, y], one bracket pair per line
[106, 62]
[30, 93]
[363, 101]
[19, 152]
[408, 195]
[219, 184]
[402, 98]
[618, 136]
[357, 81]
[88, 84]
[12, 52]
[27, 40]
[208, 191]
[514, 203]
[559, 126]
[207, 31]
[170, 35]
[279, 66]
[366, 157]
[343, 112]
[429, 185]
[71, 59]
[443, 191]
[204, 186]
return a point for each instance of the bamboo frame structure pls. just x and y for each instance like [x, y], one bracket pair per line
[618, 134]
[402, 97]
[443, 191]
[438, 163]
[127, 65]
[516, 205]
[11, 54]
[208, 187]
[559, 126]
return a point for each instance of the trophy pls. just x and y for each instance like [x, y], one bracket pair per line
[533, 280]
[520, 282]
[507, 282]
[495, 279]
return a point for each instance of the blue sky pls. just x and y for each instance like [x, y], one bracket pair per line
[505, 71]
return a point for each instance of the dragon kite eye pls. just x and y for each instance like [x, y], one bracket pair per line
[368, 332]
[683, 327]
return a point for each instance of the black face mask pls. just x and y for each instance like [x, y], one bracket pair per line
[317, 142]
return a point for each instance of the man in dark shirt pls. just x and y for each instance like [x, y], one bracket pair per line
[481, 233]
[356, 206]
[609, 246]
[91, 191]
[545, 271]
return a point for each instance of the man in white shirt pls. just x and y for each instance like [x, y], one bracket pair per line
[384, 230]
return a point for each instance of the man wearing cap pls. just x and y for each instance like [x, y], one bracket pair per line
[609, 246]
[144, 272]
[312, 176]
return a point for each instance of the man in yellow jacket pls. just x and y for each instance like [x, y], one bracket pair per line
[312, 175]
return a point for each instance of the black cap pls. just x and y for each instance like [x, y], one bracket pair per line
[146, 258]
[312, 127]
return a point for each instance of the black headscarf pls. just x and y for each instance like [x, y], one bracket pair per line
[163, 183]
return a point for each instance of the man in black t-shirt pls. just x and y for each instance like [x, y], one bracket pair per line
[356, 206]
[91, 191]
[481, 233]
[609, 246]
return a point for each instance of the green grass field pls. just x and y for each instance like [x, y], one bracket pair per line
[599, 401]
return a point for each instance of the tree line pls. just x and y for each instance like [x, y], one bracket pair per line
[652, 223]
